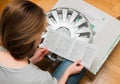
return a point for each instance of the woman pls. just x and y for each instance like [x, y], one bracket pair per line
[21, 25]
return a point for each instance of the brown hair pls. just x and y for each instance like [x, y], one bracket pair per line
[20, 24]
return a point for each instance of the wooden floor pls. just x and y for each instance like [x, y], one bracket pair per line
[110, 72]
[2, 4]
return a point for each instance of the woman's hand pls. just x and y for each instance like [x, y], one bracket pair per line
[38, 55]
[74, 68]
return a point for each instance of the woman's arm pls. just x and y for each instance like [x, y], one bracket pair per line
[74, 68]
[64, 78]
[38, 55]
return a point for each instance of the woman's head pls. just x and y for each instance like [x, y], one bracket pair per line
[21, 23]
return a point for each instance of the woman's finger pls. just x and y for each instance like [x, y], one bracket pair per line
[77, 62]
[44, 53]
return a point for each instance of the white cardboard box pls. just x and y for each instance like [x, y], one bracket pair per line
[106, 27]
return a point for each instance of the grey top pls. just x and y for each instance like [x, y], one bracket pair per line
[31, 74]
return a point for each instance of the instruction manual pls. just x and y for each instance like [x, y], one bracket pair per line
[69, 48]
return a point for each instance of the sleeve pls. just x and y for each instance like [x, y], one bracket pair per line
[51, 81]
[42, 77]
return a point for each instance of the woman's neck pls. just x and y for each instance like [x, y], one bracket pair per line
[8, 61]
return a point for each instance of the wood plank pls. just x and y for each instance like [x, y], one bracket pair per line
[2, 4]
[45, 4]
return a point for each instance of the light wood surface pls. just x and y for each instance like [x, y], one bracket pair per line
[45, 4]
[2, 4]
[110, 72]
